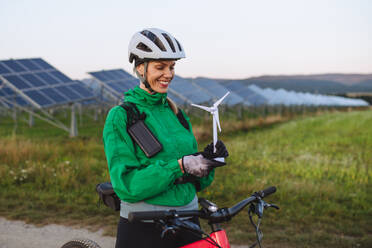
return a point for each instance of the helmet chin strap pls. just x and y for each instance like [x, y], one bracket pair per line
[143, 79]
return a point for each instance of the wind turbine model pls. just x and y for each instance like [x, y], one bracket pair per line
[216, 121]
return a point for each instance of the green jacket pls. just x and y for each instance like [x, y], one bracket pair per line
[136, 177]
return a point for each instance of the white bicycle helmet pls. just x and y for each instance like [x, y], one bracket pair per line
[153, 44]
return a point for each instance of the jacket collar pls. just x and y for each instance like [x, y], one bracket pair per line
[142, 97]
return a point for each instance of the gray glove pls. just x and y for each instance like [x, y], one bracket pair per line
[197, 165]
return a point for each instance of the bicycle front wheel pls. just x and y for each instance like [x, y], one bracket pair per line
[81, 243]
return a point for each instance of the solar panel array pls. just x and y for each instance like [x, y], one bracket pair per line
[218, 91]
[190, 91]
[39, 83]
[246, 93]
[284, 97]
[118, 81]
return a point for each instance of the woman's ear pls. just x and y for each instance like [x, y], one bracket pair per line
[140, 68]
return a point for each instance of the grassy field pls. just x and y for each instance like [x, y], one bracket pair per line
[321, 166]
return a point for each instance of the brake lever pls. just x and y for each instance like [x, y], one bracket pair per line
[188, 224]
[168, 229]
[261, 205]
[270, 205]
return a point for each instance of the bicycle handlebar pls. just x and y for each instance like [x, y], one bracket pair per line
[221, 215]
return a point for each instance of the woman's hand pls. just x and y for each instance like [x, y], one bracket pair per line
[201, 163]
[197, 165]
[221, 150]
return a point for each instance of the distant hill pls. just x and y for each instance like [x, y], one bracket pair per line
[319, 83]
[365, 86]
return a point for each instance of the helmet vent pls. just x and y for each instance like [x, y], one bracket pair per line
[151, 36]
[169, 41]
[178, 44]
[143, 47]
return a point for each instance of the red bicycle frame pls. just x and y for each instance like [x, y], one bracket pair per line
[219, 237]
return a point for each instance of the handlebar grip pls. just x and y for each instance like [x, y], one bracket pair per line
[268, 191]
[148, 215]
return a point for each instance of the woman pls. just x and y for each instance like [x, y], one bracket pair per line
[158, 182]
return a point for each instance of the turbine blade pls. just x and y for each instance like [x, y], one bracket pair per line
[202, 107]
[219, 101]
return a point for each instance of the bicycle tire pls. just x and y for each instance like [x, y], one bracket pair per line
[81, 243]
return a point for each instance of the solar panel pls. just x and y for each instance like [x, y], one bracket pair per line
[33, 80]
[14, 66]
[54, 94]
[117, 86]
[63, 78]
[68, 92]
[176, 98]
[48, 78]
[115, 81]
[39, 97]
[41, 84]
[41, 63]
[18, 82]
[3, 69]
[81, 89]
[29, 65]
[8, 96]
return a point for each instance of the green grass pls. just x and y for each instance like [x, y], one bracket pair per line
[321, 166]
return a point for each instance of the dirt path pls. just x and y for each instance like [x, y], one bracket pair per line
[18, 234]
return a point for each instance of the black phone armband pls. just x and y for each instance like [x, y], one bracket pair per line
[144, 138]
[139, 132]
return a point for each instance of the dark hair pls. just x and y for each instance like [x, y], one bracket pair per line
[138, 61]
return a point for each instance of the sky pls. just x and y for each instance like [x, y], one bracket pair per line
[222, 39]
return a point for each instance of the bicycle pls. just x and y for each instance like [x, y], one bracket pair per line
[172, 220]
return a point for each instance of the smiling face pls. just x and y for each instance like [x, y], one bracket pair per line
[159, 74]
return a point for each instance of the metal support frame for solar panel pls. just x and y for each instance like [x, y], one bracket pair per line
[9, 98]
[3, 104]
[42, 86]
